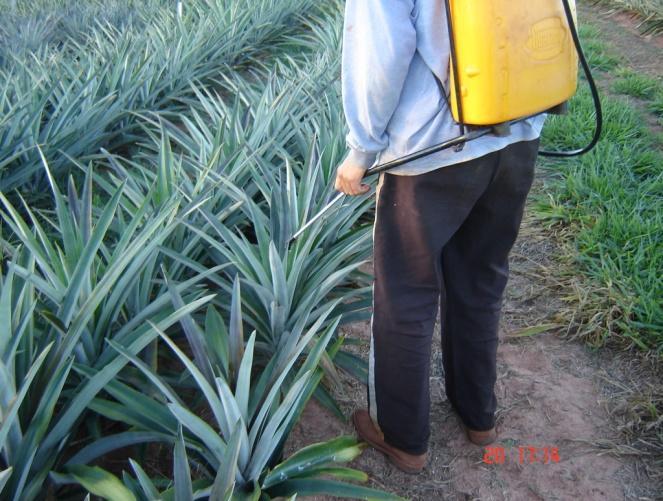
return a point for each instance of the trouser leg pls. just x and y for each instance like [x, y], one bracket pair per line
[475, 270]
[415, 217]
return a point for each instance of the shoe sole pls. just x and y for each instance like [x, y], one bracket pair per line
[386, 452]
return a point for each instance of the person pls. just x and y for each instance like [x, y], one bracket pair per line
[443, 230]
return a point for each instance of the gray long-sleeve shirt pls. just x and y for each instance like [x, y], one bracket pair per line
[392, 52]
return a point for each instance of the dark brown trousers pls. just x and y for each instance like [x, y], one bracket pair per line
[442, 240]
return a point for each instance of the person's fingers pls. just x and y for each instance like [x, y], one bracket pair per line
[345, 187]
[347, 182]
[350, 188]
[357, 188]
[343, 184]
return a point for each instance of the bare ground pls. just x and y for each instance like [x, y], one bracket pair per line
[553, 391]
[548, 396]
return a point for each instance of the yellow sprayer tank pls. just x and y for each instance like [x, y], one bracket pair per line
[515, 58]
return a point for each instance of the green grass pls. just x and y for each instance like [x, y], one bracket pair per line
[611, 199]
[601, 55]
[636, 84]
[656, 106]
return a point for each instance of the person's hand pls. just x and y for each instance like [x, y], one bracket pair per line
[348, 178]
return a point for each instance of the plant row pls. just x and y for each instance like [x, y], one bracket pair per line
[91, 93]
[156, 301]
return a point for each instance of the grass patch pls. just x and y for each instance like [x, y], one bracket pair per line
[636, 84]
[656, 105]
[611, 200]
[600, 54]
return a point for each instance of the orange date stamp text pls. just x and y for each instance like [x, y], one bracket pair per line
[524, 454]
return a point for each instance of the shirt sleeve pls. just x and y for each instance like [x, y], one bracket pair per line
[379, 41]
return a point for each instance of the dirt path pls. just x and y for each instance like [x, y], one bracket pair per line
[621, 28]
[551, 393]
[547, 396]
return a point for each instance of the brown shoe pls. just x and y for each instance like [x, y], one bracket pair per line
[409, 463]
[481, 437]
[476, 437]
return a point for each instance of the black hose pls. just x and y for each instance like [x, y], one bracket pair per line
[592, 86]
